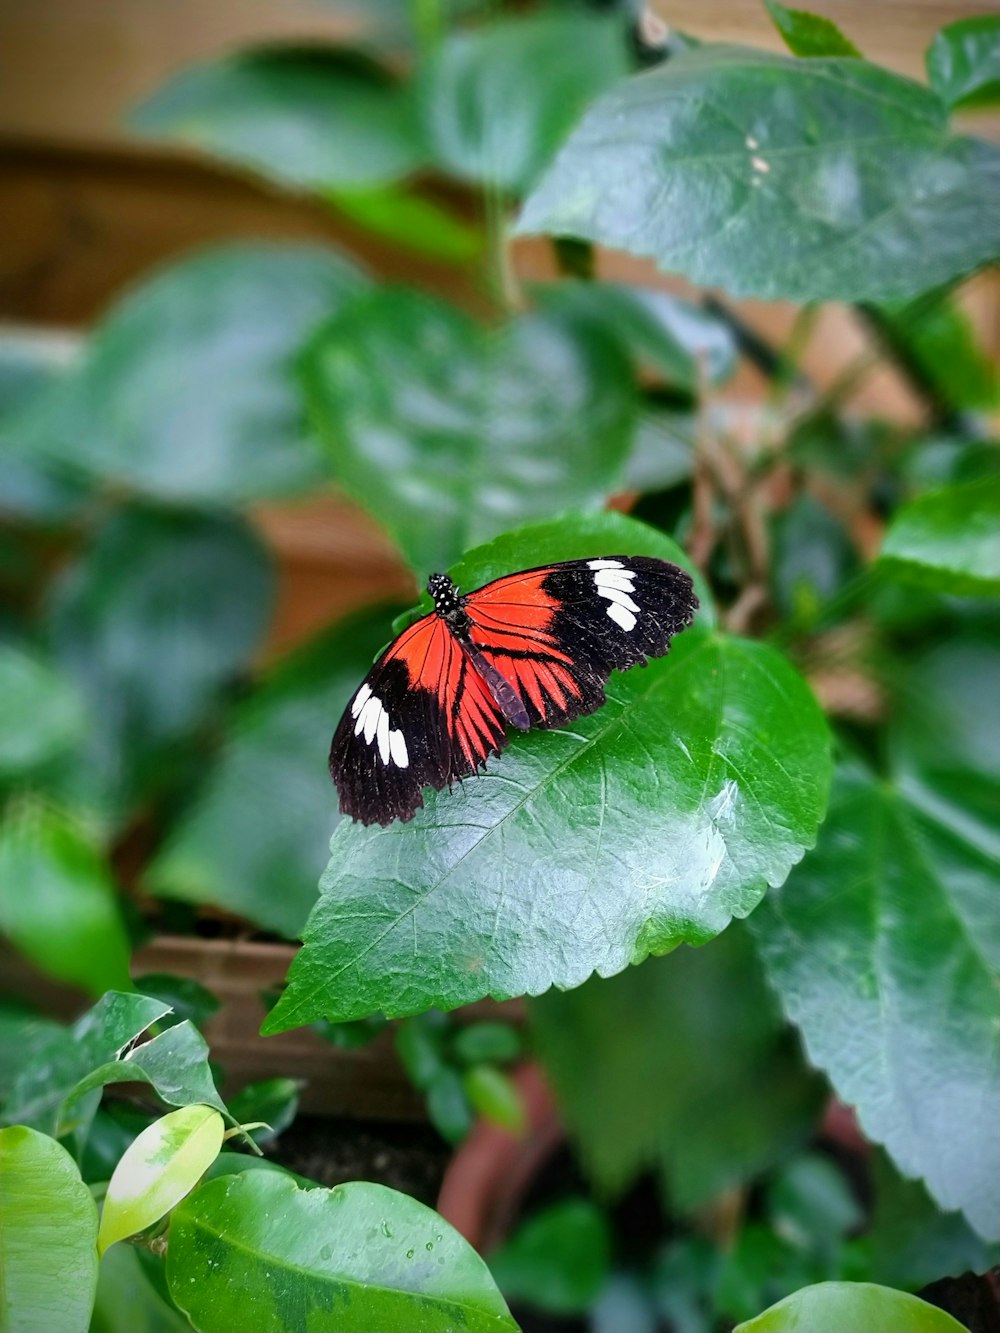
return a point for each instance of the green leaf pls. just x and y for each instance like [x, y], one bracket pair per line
[272, 1100]
[832, 1307]
[680, 340]
[58, 902]
[304, 117]
[558, 1260]
[949, 540]
[494, 1095]
[808, 34]
[474, 429]
[813, 559]
[963, 62]
[651, 822]
[159, 1169]
[57, 1087]
[21, 1032]
[889, 930]
[770, 176]
[420, 1046]
[253, 1251]
[911, 1243]
[48, 1235]
[810, 1205]
[662, 453]
[707, 1090]
[128, 1302]
[41, 715]
[936, 344]
[187, 998]
[410, 222]
[228, 849]
[448, 1105]
[151, 621]
[490, 116]
[499, 1043]
[186, 391]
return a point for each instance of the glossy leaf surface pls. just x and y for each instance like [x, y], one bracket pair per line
[160, 1167]
[307, 118]
[766, 175]
[150, 622]
[48, 1235]
[186, 390]
[949, 540]
[659, 1067]
[472, 431]
[489, 113]
[254, 1251]
[229, 849]
[832, 1307]
[963, 62]
[653, 821]
[58, 902]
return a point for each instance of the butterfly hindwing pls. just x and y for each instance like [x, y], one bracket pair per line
[556, 633]
[421, 718]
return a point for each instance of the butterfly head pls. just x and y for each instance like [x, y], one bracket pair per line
[448, 603]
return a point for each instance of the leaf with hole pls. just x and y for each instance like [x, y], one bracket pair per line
[651, 822]
[768, 176]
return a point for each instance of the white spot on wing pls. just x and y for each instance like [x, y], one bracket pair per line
[622, 598]
[397, 749]
[605, 564]
[360, 699]
[621, 616]
[371, 713]
[382, 735]
[612, 578]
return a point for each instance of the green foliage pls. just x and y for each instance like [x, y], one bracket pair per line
[832, 1307]
[307, 118]
[186, 393]
[58, 902]
[731, 166]
[963, 62]
[473, 431]
[229, 848]
[558, 1260]
[40, 712]
[468, 903]
[949, 540]
[658, 1067]
[48, 1237]
[275, 1101]
[255, 1251]
[808, 34]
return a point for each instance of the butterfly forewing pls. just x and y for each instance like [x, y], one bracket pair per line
[532, 648]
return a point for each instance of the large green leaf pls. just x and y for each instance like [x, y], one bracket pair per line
[56, 1087]
[58, 901]
[186, 390]
[497, 101]
[471, 431]
[662, 1067]
[769, 176]
[949, 540]
[885, 949]
[127, 1301]
[150, 622]
[40, 712]
[305, 117]
[48, 1237]
[809, 35]
[254, 1251]
[963, 62]
[834, 1307]
[651, 822]
[229, 849]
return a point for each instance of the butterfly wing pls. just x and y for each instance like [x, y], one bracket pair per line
[556, 633]
[422, 717]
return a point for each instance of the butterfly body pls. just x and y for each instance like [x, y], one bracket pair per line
[534, 648]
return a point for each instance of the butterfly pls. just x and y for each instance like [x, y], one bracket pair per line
[531, 649]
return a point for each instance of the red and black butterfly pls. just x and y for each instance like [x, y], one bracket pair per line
[532, 649]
